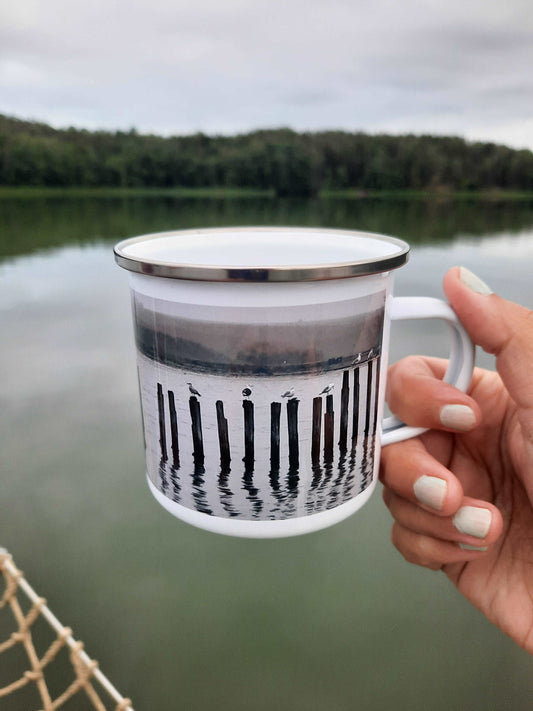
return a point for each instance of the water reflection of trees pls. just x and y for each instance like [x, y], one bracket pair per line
[30, 224]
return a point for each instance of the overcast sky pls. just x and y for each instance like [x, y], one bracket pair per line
[461, 67]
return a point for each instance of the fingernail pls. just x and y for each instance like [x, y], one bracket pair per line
[474, 282]
[458, 417]
[466, 547]
[473, 521]
[431, 491]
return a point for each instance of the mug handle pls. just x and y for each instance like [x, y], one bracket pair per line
[461, 364]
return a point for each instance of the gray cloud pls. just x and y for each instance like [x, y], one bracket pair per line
[234, 65]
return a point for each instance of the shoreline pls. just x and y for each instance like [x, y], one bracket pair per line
[492, 195]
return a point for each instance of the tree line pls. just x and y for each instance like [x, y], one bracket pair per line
[281, 160]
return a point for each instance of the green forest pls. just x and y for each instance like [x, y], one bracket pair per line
[282, 161]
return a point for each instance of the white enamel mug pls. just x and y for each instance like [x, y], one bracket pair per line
[262, 356]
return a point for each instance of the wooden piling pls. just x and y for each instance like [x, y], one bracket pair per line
[355, 415]
[174, 430]
[292, 424]
[376, 390]
[275, 414]
[329, 426]
[368, 397]
[162, 433]
[223, 435]
[317, 430]
[345, 398]
[196, 428]
[248, 408]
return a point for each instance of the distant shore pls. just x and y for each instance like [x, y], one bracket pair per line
[27, 191]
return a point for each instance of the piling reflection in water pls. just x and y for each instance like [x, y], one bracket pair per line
[297, 455]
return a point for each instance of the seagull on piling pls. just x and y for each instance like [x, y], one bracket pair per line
[193, 391]
[327, 389]
[246, 392]
[288, 393]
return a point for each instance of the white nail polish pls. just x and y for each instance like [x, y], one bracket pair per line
[474, 282]
[458, 417]
[473, 521]
[431, 491]
[467, 547]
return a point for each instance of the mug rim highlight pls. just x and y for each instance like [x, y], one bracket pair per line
[128, 257]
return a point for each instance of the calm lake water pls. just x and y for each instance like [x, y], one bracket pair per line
[183, 619]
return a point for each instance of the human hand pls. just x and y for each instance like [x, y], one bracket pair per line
[461, 494]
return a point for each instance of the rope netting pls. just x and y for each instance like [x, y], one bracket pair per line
[27, 609]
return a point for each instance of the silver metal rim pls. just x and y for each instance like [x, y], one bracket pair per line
[304, 272]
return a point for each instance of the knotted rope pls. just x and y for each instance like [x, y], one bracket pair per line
[85, 669]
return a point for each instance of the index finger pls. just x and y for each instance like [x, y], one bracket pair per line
[417, 394]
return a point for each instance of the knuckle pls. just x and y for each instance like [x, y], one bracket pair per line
[425, 551]
[407, 367]
[395, 537]
[385, 462]
[418, 550]
[392, 466]
[435, 566]
[387, 495]
[400, 390]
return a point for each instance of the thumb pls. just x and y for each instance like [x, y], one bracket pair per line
[500, 327]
